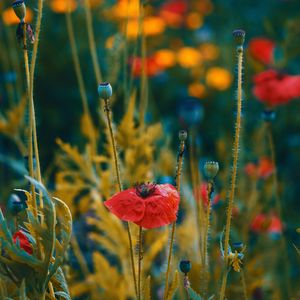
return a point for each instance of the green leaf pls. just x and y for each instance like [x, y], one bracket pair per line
[193, 295]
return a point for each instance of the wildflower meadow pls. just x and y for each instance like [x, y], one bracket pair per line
[149, 149]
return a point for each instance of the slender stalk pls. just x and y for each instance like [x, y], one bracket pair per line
[206, 236]
[140, 262]
[178, 182]
[117, 170]
[234, 168]
[92, 43]
[278, 206]
[244, 284]
[30, 147]
[79, 76]
[32, 110]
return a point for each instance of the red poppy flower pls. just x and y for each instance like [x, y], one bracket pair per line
[263, 169]
[23, 241]
[148, 205]
[262, 49]
[152, 68]
[274, 88]
[266, 223]
[173, 12]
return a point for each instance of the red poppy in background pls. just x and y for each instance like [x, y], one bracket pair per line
[148, 205]
[151, 66]
[23, 241]
[262, 49]
[266, 223]
[204, 196]
[274, 88]
[263, 169]
[173, 12]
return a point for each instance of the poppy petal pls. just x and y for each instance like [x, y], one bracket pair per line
[161, 207]
[127, 206]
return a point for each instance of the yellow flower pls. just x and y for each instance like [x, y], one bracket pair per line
[188, 57]
[151, 26]
[62, 6]
[218, 78]
[165, 58]
[126, 9]
[9, 17]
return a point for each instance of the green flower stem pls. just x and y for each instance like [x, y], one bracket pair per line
[92, 43]
[178, 182]
[117, 170]
[234, 169]
[140, 257]
[210, 188]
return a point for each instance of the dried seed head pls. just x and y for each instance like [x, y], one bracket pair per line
[182, 135]
[211, 169]
[239, 36]
[185, 266]
[19, 8]
[104, 90]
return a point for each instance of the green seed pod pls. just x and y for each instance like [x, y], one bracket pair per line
[15, 205]
[185, 266]
[19, 8]
[239, 36]
[182, 135]
[104, 90]
[211, 169]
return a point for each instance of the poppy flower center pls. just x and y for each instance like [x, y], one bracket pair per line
[145, 189]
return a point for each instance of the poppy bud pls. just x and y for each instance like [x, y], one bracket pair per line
[185, 266]
[182, 135]
[19, 8]
[15, 204]
[238, 246]
[211, 169]
[104, 90]
[239, 36]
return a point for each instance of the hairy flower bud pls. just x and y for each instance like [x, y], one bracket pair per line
[182, 135]
[211, 169]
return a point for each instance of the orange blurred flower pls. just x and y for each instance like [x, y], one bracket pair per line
[196, 90]
[151, 26]
[218, 78]
[188, 57]
[209, 51]
[194, 20]
[9, 17]
[151, 66]
[126, 9]
[165, 58]
[63, 6]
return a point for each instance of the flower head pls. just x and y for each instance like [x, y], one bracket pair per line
[148, 205]
[19, 9]
[274, 88]
[21, 238]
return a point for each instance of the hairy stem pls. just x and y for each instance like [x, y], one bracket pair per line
[117, 170]
[210, 188]
[244, 284]
[140, 257]
[178, 182]
[234, 168]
